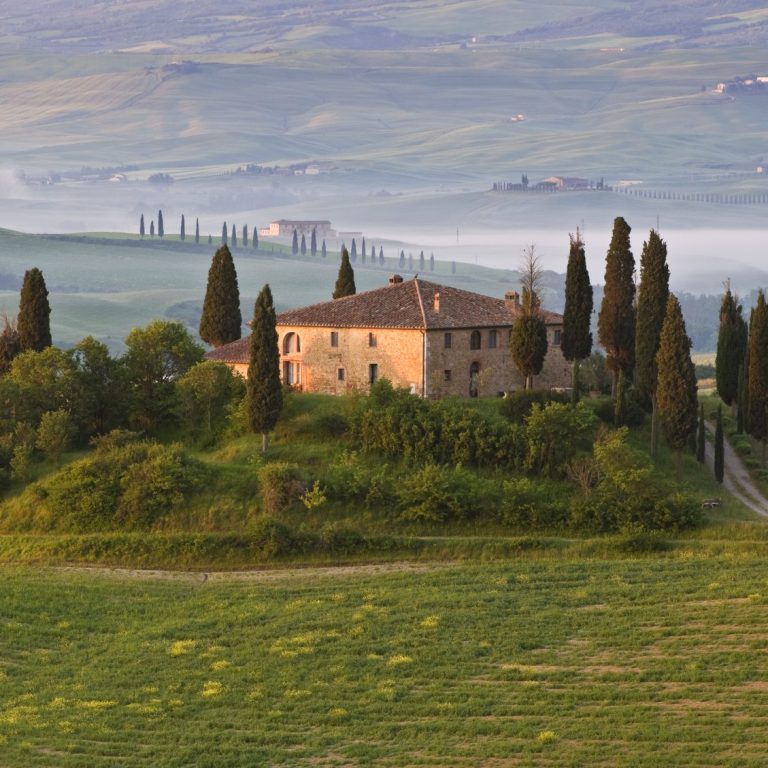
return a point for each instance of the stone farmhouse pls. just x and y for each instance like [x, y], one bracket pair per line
[284, 229]
[432, 339]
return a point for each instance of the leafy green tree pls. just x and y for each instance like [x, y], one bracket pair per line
[651, 309]
[34, 320]
[313, 243]
[323, 251]
[528, 340]
[719, 447]
[245, 235]
[182, 229]
[264, 390]
[160, 228]
[676, 387]
[221, 321]
[155, 358]
[731, 347]
[757, 372]
[295, 243]
[10, 344]
[141, 226]
[555, 434]
[224, 233]
[576, 343]
[345, 282]
[54, 435]
[616, 320]
[701, 437]
[303, 247]
[197, 230]
[234, 237]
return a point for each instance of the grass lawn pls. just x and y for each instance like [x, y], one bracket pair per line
[641, 662]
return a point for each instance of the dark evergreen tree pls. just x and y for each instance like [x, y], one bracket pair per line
[210, 240]
[182, 230]
[410, 262]
[10, 345]
[353, 252]
[224, 233]
[152, 228]
[295, 243]
[323, 251]
[345, 282]
[576, 343]
[757, 372]
[362, 250]
[719, 447]
[421, 262]
[303, 247]
[255, 238]
[676, 386]
[431, 262]
[34, 321]
[701, 436]
[731, 347]
[197, 231]
[616, 320]
[264, 390]
[245, 235]
[160, 228]
[221, 321]
[651, 309]
[313, 243]
[402, 260]
[528, 340]
[234, 236]
[381, 256]
[141, 226]
[741, 408]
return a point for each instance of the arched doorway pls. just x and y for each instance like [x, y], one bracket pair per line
[474, 376]
[291, 343]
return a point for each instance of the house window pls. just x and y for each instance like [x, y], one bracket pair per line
[448, 340]
[446, 375]
[334, 338]
[373, 373]
[371, 339]
[558, 338]
[474, 340]
[492, 338]
[341, 374]
[291, 343]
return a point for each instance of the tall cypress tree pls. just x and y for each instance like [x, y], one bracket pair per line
[197, 230]
[141, 226]
[719, 447]
[528, 340]
[323, 251]
[651, 308]
[353, 252]
[182, 230]
[264, 391]
[402, 259]
[210, 239]
[234, 236]
[245, 235]
[255, 238]
[757, 372]
[303, 247]
[313, 243]
[295, 243]
[421, 262]
[362, 250]
[701, 437]
[576, 343]
[616, 320]
[381, 256]
[152, 228]
[731, 347]
[221, 321]
[224, 233]
[345, 282]
[431, 262]
[34, 321]
[676, 387]
[160, 228]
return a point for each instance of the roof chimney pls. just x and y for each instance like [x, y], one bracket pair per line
[437, 301]
[512, 299]
[395, 279]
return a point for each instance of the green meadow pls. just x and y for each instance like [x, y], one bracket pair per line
[634, 661]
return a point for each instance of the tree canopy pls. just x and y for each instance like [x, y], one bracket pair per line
[731, 347]
[345, 282]
[34, 321]
[221, 321]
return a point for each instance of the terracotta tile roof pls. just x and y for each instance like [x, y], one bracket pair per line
[234, 352]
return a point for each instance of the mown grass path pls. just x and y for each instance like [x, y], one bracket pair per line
[643, 662]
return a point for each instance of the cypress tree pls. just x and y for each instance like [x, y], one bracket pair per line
[719, 447]
[410, 262]
[323, 251]
[576, 343]
[453, 267]
[421, 261]
[141, 226]
[264, 390]
[651, 308]
[295, 243]
[528, 340]
[10, 346]
[362, 250]
[234, 236]
[182, 231]
[616, 320]
[245, 235]
[255, 238]
[431, 262]
[313, 243]
[402, 260]
[152, 228]
[757, 372]
[303, 248]
[353, 252]
[676, 386]
[221, 321]
[701, 437]
[210, 239]
[345, 282]
[160, 228]
[34, 321]
[741, 408]
[381, 256]
[197, 230]
[731, 347]
[224, 233]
